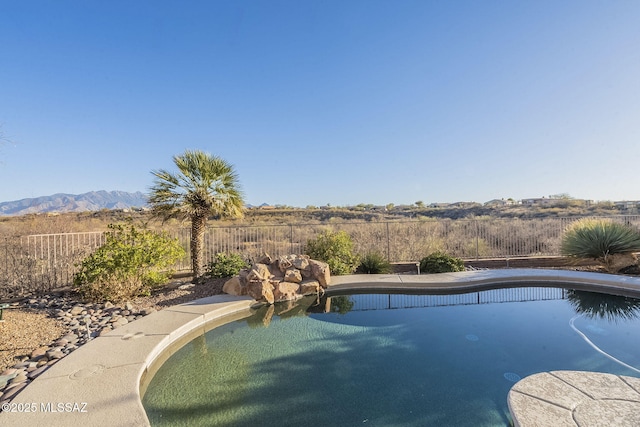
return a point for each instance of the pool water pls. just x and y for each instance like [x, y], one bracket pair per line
[370, 362]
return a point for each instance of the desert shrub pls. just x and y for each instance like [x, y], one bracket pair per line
[476, 248]
[225, 265]
[601, 239]
[130, 263]
[439, 262]
[336, 249]
[374, 263]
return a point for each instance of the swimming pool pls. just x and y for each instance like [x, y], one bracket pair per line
[392, 360]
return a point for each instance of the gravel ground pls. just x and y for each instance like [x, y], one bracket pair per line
[25, 329]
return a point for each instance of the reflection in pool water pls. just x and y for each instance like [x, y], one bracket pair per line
[612, 307]
[365, 360]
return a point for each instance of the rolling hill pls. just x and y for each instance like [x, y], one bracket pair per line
[92, 201]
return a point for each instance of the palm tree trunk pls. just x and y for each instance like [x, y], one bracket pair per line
[198, 224]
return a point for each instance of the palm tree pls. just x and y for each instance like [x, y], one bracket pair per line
[204, 186]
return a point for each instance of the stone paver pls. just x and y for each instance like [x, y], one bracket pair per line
[575, 399]
[101, 382]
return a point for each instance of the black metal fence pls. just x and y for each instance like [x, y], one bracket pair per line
[48, 261]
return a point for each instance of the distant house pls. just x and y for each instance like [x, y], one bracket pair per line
[500, 202]
[543, 201]
[627, 204]
[553, 201]
[539, 201]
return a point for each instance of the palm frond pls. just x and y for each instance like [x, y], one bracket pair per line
[204, 185]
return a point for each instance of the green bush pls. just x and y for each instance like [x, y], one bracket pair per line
[439, 262]
[225, 265]
[374, 263]
[600, 239]
[130, 263]
[336, 249]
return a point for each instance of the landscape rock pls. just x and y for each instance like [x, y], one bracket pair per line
[121, 321]
[286, 291]
[265, 259]
[261, 291]
[39, 352]
[20, 378]
[55, 354]
[301, 262]
[76, 310]
[286, 278]
[33, 374]
[284, 263]
[233, 286]
[310, 287]
[320, 272]
[293, 275]
[258, 273]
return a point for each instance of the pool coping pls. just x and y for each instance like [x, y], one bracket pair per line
[100, 383]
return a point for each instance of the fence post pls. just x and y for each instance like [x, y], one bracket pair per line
[477, 239]
[291, 238]
[388, 243]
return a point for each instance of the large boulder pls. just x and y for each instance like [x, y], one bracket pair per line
[292, 275]
[310, 287]
[286, 291]
[320, 272]
[301, 262]
[259, 272]
[261, 291]
[284, 263]
[234, 286]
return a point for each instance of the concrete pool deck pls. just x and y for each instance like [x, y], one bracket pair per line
[101, 383]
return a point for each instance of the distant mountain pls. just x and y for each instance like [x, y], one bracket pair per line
[93, 201]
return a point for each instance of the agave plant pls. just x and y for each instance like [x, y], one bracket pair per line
[611, 243]
[374, 263]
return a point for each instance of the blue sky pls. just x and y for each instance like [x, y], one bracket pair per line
[316, 102]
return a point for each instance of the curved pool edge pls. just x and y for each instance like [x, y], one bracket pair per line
[479, 280]
[104, 377]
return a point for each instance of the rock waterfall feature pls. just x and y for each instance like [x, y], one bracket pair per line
[285, 278]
